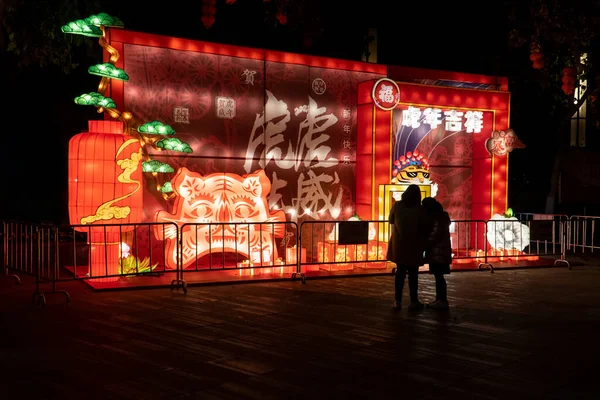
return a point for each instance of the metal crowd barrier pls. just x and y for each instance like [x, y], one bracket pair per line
[32, 249]
[320, 248]
[104, 252]
[469, 244]
[20, 249]
[4, 248]
[246, 247]
[47, 265]
[529, 240]
[582, 234]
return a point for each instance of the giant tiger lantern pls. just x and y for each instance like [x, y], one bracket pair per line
[107, 162]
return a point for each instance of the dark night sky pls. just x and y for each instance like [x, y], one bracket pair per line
[457, 36]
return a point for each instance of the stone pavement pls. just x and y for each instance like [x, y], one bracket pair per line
[516, 334]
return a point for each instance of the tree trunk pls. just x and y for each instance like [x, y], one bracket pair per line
[563, 142]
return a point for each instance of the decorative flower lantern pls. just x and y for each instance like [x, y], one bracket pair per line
[105, 179]
[505, 232]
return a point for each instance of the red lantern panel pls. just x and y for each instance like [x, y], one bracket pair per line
[105, 187]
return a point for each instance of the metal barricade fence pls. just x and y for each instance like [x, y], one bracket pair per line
[21, 248]
[528, 240]
[582, 234]
[320, 248]
[469, 244]
[541, 217]
[4, 248]
[47, 265]
[104, 253]
[248, 248]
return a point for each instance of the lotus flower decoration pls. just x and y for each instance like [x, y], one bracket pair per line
[507, 233]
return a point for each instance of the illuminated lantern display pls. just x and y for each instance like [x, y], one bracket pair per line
[218, 198]
[507, 235]
[503, 142]
[105, 178]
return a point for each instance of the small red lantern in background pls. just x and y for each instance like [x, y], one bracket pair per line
[538, 59]
[208, 13]
[281, 17]
[105, 187]
[568, 79]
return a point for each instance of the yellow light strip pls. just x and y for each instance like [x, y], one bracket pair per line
[492, 191]
[506, 185]
[391, 136]
[373, 194]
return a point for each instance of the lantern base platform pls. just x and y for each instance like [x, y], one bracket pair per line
[196, 278]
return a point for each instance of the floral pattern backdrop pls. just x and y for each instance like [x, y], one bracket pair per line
[296, 122]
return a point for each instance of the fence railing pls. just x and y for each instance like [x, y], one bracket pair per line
[248, 248]
[321, 248]
[105, 254]
[582, 234]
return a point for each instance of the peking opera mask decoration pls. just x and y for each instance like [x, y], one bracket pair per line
[218, 198]
[413, 168]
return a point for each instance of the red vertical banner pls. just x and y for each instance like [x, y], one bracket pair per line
[381, 154]
[364, 161]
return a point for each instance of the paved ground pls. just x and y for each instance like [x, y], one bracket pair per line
[517, 334]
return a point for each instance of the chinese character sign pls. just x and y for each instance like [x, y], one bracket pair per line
[474, 121]
[386, 94]
[411, 117]
[225, 107]
[453, 120]
[181, 115]
[502, 143]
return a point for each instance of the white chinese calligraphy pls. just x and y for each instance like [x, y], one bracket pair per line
[433, 117]
[300, 110]
[312, 198]
[474, 121]
[309, 151]
[411, 117]
[453, 120]
[346, 114]
[249, 76]
[386, 93]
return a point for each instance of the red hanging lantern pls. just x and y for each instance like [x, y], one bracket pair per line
[105, 188]
[208, 13]
[281, 17]
[568, 79]
[538, 59]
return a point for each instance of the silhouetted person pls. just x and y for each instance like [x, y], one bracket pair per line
[411, 228]
[439, 250]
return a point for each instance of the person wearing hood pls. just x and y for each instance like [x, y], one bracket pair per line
[438, 252]
[410, 230]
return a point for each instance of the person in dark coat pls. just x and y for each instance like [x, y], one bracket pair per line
[439, 250]
[411, 228]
